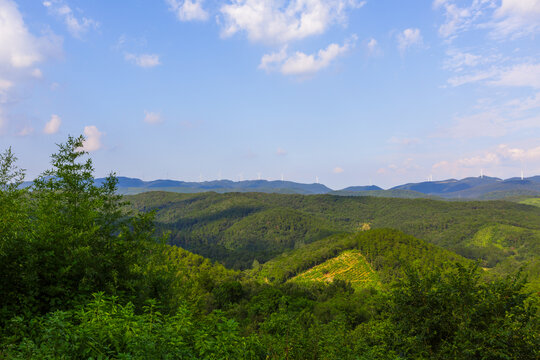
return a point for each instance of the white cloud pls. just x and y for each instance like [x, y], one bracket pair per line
[516, 18]
[495, 118]
[143, 60]
[76, 26]
[53, 125]
[403, 141]
[473, 77]
[3, 121]
[92, 140]
[529, 103]
[519, 75]
[25, 131]
[338, 170]
[37, 73]
[300, 63]
[460, 19]
[268, 61]
[20, 51]
[152, 117]
[5, 85]
[458, 61]
[480, 160]
[407, 38]
[283, 21]
[188, 10]
[18, 48]
[522, 75]
[496, 159]
[504, 18]
[513, 153]
[281, 152]
[372, 47]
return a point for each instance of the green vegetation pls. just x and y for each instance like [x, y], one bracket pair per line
[349, 266]
[83, 277]
[237, 229]
[390, 193]
[531, 201]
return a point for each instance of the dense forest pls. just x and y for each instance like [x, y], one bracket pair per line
[86, 273]
[237, 229]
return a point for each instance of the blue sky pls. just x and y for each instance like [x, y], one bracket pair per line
[352, 92]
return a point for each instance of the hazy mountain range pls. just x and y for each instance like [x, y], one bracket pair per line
[469, 188]
[473, 187]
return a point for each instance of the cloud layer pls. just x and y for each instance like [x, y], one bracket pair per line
[300, 63]
[76, 26]
[143, 60]
[280, 22]
[188, 10]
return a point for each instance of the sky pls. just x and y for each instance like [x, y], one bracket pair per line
[348, 92]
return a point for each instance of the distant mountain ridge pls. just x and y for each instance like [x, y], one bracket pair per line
[134, 186]
[477, 187]
[485, 187]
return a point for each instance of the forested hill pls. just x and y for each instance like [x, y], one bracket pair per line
[238, 228]
[82, 276]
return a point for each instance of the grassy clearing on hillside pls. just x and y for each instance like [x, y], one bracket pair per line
[531, 201]
[349, 266]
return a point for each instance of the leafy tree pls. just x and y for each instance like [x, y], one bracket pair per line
[73, 237]
[454, 315]
[14, 243]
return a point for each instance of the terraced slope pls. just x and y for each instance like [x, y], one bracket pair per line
[349, 266]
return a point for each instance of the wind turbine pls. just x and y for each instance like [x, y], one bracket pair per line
[521, 174]
[281, 176]
[316, 179]
[481, 173]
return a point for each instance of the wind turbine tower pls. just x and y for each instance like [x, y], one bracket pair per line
[521, 174]
[481, 173]
[281, 176]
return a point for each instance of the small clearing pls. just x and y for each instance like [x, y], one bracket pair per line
[350, 266]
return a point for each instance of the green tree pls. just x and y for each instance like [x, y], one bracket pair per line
[454, 314]
[14, 243]
[73, 236]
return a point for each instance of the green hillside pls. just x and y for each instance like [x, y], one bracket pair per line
[388, 252]
[237, 229]
[391, 193]
[506, 248]
[350, 266]
[531, 201]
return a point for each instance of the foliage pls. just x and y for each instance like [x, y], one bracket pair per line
[221, 226]
[454, 315]
[82, 278]
[531, 201]
[350, 266]
[104, 328]
[69, 237]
